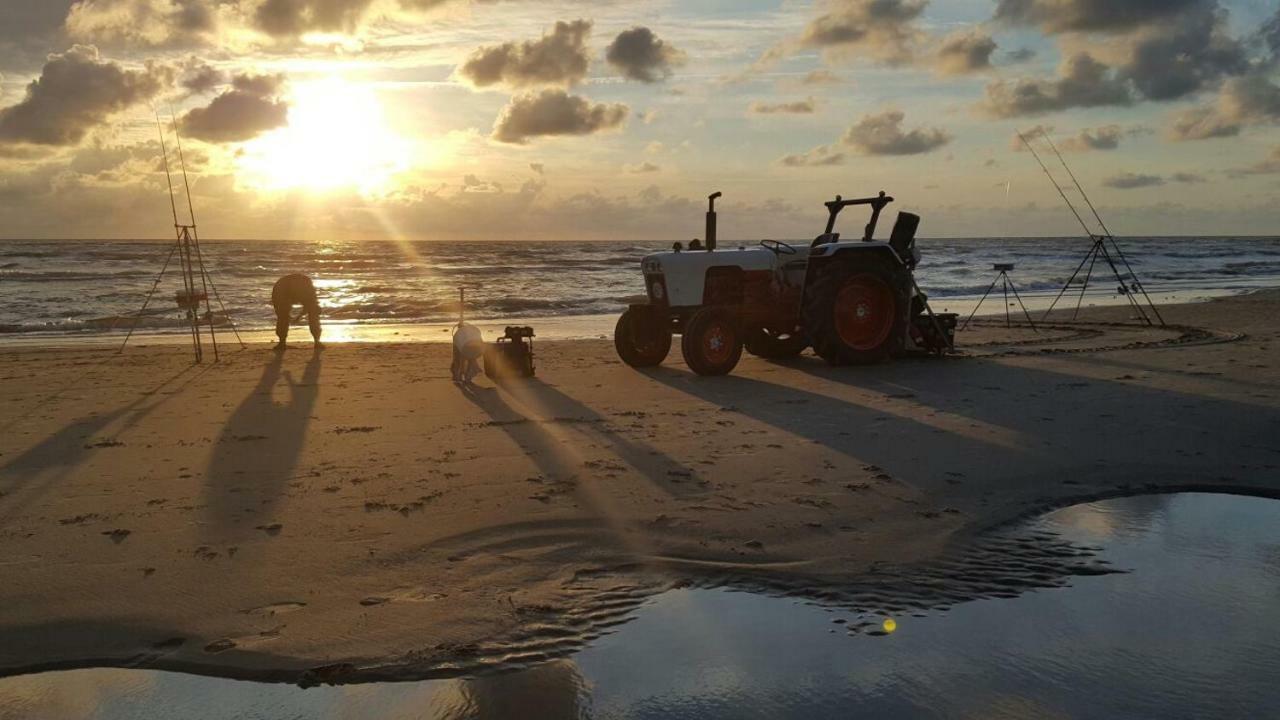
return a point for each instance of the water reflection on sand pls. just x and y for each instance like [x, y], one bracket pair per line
[1190, 631]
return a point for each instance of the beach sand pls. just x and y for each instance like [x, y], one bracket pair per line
[352, 514]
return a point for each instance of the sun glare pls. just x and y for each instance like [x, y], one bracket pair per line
[337, 138]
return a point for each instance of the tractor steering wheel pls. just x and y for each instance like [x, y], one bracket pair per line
[778, 247]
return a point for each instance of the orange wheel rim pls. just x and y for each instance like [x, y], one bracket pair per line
[864, 312]
[717, 343]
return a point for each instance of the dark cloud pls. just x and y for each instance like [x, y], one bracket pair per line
[558, 58]
[28, 28]
[1132, 181]
[1020, 55]
[640, 55]
[250, 107]
[963, 53]
[883, 135]
[798, 107]
[555, 112]
[1060, 16]
[1183, 56]
[881, 29]
[291, 18]
[822, 156]
[539, 168]
[76, 92]
[199, 77]
[1082, 81]
[1245, 101]
[1186, 177]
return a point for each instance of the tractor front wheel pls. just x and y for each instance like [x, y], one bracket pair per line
[712, 341]
[770, 345]
[856, 311]
[642, 338]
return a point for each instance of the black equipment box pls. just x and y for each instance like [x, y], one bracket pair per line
[511, 355]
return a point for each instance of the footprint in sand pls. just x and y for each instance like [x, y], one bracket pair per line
[273, 529]
[118, 535]
[219, 646]
[275, 608]
[403, 595]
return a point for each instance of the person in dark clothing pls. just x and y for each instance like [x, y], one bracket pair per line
[293, 290]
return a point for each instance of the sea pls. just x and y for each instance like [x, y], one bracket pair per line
[69, 290]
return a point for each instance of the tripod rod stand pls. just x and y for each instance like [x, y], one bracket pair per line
[1006, 282]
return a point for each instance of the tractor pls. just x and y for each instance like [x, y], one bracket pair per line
[853, 302]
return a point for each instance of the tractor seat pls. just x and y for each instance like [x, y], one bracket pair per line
[903, 238]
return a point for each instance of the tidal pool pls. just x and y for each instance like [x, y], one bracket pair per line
[1191, 630]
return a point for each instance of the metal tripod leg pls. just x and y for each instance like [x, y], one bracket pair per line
[1087, 277]
[1008, 322]
[1023, 306]
[979, 305]
[1070, 280]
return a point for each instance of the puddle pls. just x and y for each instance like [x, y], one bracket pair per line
[1191, 630]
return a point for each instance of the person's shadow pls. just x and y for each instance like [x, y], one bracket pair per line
[257, 451]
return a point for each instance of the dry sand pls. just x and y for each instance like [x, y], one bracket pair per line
[354, 511]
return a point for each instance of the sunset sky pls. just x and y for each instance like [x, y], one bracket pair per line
[534, 119]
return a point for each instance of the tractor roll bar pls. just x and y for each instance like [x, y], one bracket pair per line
[877, 204]
[711, 220]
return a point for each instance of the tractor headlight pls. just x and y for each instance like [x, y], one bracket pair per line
[659, 293]
[651, 266]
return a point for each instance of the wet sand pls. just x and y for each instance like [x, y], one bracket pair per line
[353, 514]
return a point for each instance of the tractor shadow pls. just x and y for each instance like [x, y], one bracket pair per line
[935, 424]
[546, 418]
[256, 452]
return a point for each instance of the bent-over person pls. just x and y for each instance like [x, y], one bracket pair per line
[289, 291]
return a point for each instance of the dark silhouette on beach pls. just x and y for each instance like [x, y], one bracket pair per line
[289, 291]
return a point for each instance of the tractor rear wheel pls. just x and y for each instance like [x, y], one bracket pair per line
[712, 341]
[771, 345]
[855, 312]
[642, 338]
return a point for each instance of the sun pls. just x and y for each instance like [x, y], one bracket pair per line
[337, 137]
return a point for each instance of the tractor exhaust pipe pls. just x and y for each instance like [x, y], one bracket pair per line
[711, 220]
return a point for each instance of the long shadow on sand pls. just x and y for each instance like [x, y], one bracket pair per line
[257, 450]
[930, 423]
[542, 406]
[25, 478]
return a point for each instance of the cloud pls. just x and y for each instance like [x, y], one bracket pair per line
[883, 30]
[1063, 16]
[1131, 181]
[821, 156]
[642, 168]
[292, 18]
[798, 107]
[883, 135]
[555, 112]
[1186, 177]
[1183, 55]
[820, 77]
[558, 58]
[142, 22]
[76, 92]
[1250, 100]
[199, 77]
[1103, 138]
[963, 53]
[640, 55]
[539, 168]
[1020, 55]
[249, 108]
[1082, 81]
[1269, 166]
